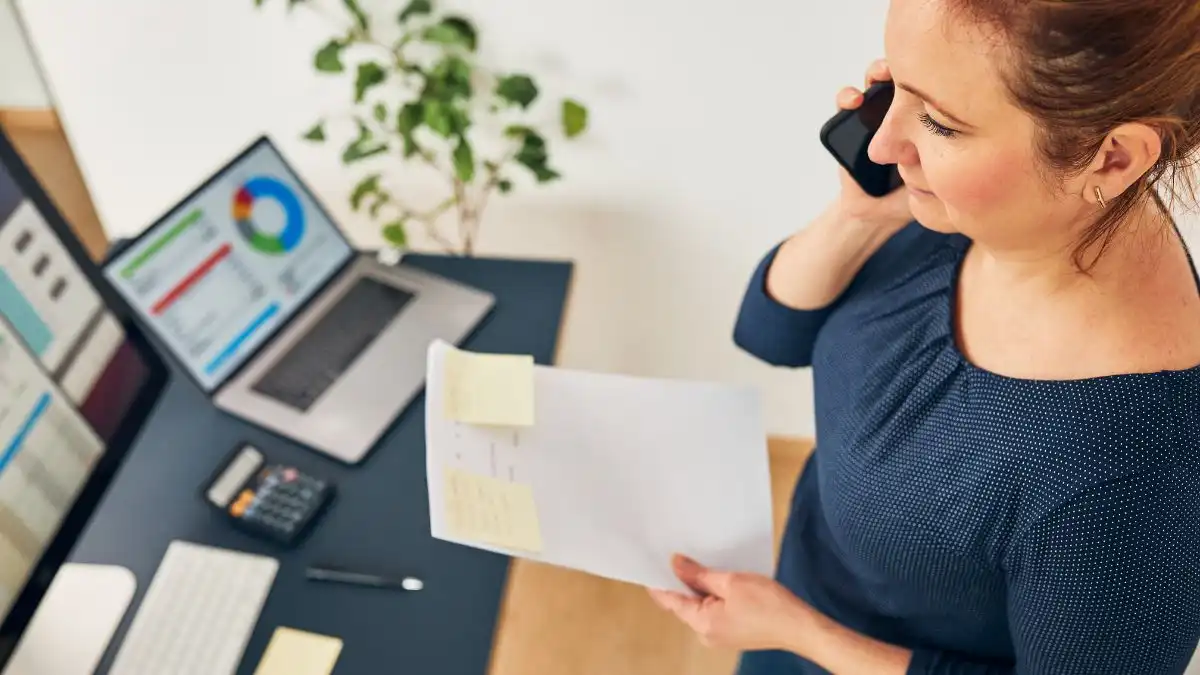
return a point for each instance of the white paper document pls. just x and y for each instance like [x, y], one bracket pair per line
[614, 474]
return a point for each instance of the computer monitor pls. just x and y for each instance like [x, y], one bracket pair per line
[77, 382]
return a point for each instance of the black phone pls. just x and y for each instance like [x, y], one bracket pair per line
[848, 134]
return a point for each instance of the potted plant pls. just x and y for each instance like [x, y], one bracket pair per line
[422, 97]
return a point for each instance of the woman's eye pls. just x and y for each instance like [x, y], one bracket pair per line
[933, 126]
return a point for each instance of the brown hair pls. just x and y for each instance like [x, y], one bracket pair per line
[1083, 67]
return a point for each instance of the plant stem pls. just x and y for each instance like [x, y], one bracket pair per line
[427, 218]
[464, 210]
[431, 230]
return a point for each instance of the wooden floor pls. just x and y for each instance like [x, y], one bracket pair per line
[569, 623]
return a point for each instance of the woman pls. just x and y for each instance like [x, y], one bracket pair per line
[1005, 362]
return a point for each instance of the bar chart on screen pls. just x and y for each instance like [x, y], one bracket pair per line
[199, 287]
[175, 249]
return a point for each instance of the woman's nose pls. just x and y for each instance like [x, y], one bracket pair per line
[889, 146]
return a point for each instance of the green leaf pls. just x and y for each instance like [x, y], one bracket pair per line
[393, 233]
[437, 117]
[329, 57]
[293, 3]
[519, 132]
[532, 144]
[545, 174]
[363, 147]
[370, 74]
[517, 89]
[366, 186]
[452, 31]
[380, 112]
[446, 119]
[450, 78]
[505, 186]
[316, 133]
[381, 200]
[574, 118]
[360, 17]
[410, 147]
[356, 152]
[410, 117]
[459, 120]
[415, 8]
[532, 156]
[464, 161]
[258, 3]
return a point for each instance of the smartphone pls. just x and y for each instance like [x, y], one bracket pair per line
[848, 134]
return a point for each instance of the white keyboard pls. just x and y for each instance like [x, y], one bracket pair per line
[198, 612]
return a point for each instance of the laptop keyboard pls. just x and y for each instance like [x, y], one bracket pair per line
[331, 345]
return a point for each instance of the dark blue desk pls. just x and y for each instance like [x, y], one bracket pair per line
[380, 520]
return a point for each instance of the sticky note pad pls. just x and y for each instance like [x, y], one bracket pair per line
[296, 652]
[491, 511]
[489, 389]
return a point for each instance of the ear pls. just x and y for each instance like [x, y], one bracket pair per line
[1126, 155]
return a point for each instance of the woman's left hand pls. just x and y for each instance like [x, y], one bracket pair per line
[738, 610]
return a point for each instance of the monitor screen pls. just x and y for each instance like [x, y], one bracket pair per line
[47, 450]
[52, 307]
[225, 269]
[76, 384]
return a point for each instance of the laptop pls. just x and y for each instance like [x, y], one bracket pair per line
[253, 289]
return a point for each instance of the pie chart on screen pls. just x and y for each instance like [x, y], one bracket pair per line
[273, 241]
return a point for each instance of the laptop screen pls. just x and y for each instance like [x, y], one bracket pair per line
[225, 269]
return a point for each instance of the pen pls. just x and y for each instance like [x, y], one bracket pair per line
[332, 575]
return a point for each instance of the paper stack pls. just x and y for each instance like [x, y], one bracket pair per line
[608, 474]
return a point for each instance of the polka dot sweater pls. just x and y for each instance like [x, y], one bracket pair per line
[991, 524]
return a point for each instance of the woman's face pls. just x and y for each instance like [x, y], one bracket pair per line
[967, 154]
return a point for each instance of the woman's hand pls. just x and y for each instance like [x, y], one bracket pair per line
[737, 610]
[890, 212]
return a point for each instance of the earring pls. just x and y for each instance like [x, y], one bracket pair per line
[1100, 198]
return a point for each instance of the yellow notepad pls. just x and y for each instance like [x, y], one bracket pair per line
[296, 652]
[491, 511]
[488, 389]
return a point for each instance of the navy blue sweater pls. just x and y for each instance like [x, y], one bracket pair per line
[991, 524]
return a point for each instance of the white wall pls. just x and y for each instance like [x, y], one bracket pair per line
[703, 151]
[20, 84]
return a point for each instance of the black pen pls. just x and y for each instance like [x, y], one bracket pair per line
[338, 576]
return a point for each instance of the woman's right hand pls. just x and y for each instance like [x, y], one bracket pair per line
[890, 212]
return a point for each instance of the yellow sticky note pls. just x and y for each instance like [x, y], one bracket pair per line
[296, 652]
[491, 511]
[490, 389]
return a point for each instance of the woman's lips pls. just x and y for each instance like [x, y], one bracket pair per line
[914, 189]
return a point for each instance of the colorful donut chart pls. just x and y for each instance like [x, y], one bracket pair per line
[243, 212]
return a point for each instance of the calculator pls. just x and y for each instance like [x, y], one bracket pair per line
[270, 500]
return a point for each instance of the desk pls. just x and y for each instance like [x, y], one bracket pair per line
[380, 520]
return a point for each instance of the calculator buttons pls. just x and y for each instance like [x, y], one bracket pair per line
[278, 501]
